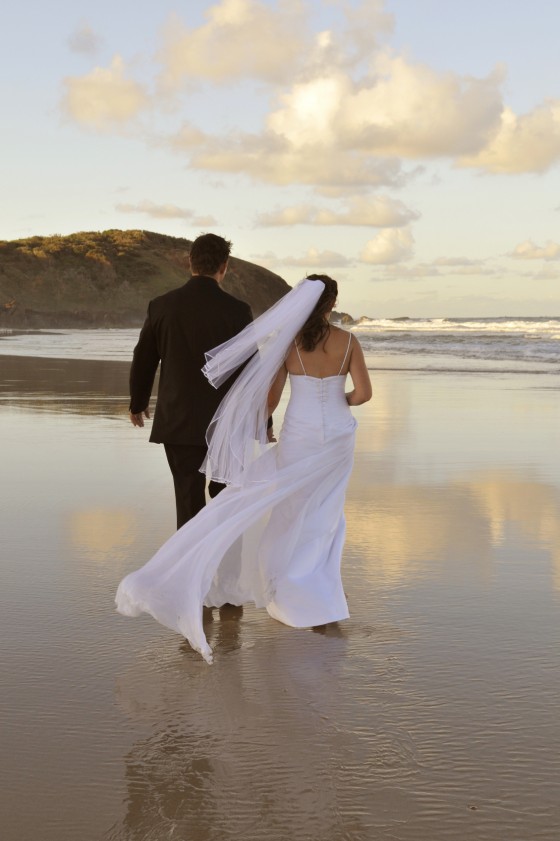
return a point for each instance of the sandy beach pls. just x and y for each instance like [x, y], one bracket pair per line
[430, 715]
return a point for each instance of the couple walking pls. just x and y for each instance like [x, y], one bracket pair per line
[273, 531]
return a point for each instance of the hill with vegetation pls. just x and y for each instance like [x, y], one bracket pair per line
[106, 278]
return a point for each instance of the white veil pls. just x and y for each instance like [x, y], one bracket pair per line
[237, 432]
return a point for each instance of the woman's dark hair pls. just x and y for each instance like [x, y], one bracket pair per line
[317, 327]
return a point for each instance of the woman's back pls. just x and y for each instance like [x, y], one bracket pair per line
[331, 356]
[317, 410]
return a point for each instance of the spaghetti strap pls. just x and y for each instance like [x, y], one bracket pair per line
[299, 357]
[346, 354]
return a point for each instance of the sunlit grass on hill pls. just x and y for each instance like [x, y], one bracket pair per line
[107, 278]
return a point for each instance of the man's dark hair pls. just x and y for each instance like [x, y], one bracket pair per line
[208, 253]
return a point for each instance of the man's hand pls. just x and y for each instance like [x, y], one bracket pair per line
[137, 419]
[270, 436]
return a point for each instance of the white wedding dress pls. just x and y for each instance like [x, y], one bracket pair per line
[276, 541]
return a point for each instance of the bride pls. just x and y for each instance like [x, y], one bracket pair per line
[275, 535]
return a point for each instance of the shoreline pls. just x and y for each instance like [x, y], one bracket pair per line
[375, 362]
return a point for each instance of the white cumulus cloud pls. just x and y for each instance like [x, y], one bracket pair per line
[343, 109]
[104, 98]
[529, 251]
[271, 158]
[402, 109]
[330, 130]
[315, 259]
[392, 245]
[375, 211]
[526, 143]
[240, 39]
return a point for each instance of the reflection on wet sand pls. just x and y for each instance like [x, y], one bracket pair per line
[79, 386]
[410, 532]
[272, 748]
[430, 715]
[388, 417]
[531, 506]
[406, 532]
[103, 533]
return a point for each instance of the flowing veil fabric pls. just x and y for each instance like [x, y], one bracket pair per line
[275, 535]
[237, 432]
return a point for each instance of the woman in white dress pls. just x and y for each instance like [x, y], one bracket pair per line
[275, 535]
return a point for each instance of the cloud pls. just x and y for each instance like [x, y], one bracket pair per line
[282, 45]
[312, 260]
[547, 273]
[391, 245]
[401, 109]
[456, 261]
[472, 271]
[416, 272]
[205, 221]
[329, 128]
[529, 251]
[271, 158]
[440, 267]
[164, 211]
[240, 39]
[332, 131]
[302, 214]
[366, 22]
[343, 111]
[84, 40]
[104, 98]
[389, 270]
[268, 259]
[376, 212]
[528, 143]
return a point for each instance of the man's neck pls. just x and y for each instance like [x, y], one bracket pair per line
[215, 277]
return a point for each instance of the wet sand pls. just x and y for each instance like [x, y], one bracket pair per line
[430, 715]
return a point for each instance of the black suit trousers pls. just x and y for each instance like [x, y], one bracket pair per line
[185, 461]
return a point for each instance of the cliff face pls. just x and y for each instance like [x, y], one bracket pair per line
[107, 278]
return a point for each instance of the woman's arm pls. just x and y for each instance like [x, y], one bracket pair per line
[361, 392]
[276, 389]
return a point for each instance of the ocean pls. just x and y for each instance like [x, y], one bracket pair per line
[501, 345]
[505, 344]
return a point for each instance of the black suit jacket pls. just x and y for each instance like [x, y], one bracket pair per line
[180, 327]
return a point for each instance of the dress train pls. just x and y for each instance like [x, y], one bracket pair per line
[275, 541]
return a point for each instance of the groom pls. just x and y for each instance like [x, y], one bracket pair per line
[180, 327]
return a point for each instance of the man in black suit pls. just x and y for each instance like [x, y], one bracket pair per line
[180, 327]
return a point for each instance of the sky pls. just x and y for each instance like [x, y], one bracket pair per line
[408, 148]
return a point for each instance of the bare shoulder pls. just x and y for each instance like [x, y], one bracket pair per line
[340, 337]
[291, 356]
[337, 332]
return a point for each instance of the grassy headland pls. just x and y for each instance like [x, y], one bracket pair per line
[106, 278]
